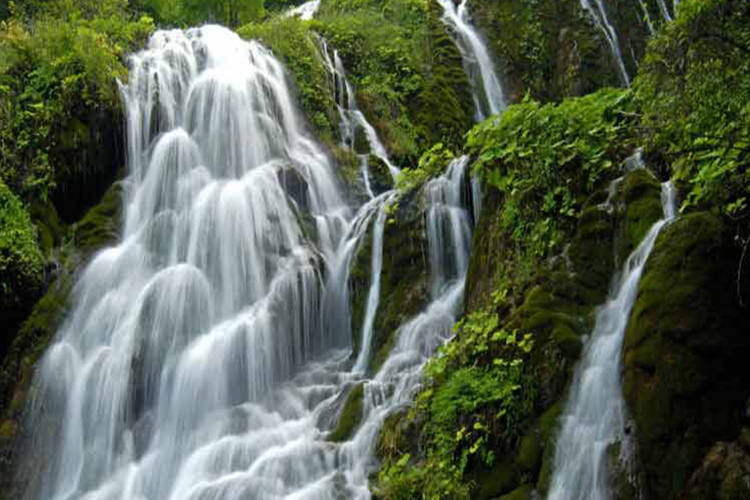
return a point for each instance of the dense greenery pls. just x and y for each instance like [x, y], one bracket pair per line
[544, 161]
[20, 259]
[57, 72]
[546, 248]
[477, 394]
[191, 12]
[693, 90]
[406, 69]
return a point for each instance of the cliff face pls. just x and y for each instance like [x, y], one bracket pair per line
[553, 231]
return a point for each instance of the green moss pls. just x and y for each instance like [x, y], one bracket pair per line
[100, 226]
[404, 277]
[529, 456]
[48, 224]
[7, 430]
[551, 49]
[408, 73]
[498, 479]
[548, 426]
[639, 202]
[351, 415]
[684, 375]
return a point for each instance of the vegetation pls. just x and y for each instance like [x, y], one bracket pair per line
[477, 394]
[431, 164]
[20, 260]
[693, 90]
[57, 71]
[407, 71]
[544, 161]
[545, 248]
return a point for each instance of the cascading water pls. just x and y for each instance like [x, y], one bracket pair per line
[598, 14]
[594, 418]
[395, 384]
[486, 89]
[209, 352]
[171, 377]
[352, 119]
[305, 11]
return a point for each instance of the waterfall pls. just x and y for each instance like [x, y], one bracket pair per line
[351, 118]
[373, 295]
[598, 14]
[486, 89]
[664, 10]
[398, 380]
[177, 373]
[305, 11]
[594, 417]
[208, 353]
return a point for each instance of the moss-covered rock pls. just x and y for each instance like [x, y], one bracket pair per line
[17, 369]
[100, 225]
[524, 492]
[548, 47]
[351, 415]
[557, 306]
[685, 375]
[639, 203]
[491, 482]
[404, 287]
[553, 48]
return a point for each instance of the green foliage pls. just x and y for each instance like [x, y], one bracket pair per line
[54, 76]
[431, 164]
[693, 89]
[478, 393]
[551, 49]
[186, 13]
[20, 258]
[546, 159]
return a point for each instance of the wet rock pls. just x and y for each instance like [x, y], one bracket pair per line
[685, 372]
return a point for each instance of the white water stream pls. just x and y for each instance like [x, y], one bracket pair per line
[208, 353]
[352, 120]
[594, 418]
[486, 88]
[305, 11]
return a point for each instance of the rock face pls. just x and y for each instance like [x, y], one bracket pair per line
[724, 473]
[685, 373]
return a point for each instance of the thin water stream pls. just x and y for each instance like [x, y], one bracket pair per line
[594, 417]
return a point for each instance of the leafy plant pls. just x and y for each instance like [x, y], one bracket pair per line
[693, 89]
